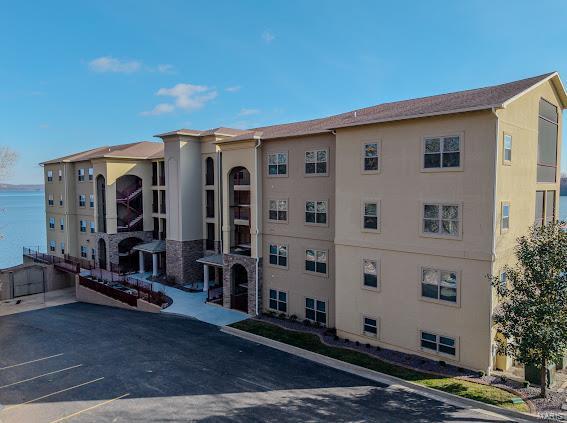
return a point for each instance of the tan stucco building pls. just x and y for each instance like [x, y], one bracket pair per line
[382, 222]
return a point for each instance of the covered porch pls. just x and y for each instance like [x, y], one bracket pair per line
[213, 277]
[154, 251]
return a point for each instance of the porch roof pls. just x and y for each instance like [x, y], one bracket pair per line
[151, 247]
[213, 260]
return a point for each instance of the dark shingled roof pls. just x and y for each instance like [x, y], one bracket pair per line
[136, 150]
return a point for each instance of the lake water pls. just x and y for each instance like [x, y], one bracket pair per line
[22, 224]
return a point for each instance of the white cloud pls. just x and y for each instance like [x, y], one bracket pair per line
[233, 89]
[186, 97]
[248, 112]
[268, 37]
[165, 68]
[111, 64]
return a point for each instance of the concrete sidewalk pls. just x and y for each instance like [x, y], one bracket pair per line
[38, 301]
[494, 412]
[193, 304]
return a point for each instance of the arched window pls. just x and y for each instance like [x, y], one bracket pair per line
[210, 171]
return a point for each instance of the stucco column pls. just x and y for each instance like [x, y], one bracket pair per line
[141, 261]
[154, 264]
[205, 278]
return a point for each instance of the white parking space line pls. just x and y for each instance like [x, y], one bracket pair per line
[31, 361]
[43, 375]
[256, 384]
[89, 408]
[53, 393]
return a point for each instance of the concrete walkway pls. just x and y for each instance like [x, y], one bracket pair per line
[192, 304]
[37, 301]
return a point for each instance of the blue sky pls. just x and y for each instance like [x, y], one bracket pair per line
[76, 75]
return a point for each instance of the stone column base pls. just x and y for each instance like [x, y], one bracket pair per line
[181, 260]
[249, 263]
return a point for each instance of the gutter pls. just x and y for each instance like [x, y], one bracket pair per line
[256, 229]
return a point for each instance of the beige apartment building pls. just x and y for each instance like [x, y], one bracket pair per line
[382, 222]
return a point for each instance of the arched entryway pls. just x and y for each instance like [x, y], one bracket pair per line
[101, 254]
[239, 288]
[127, 256]
[129, 204]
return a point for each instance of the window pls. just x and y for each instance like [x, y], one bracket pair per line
[278, 301]
[51, 223]
[507, 148]
[278, 255]
[93, 254]
[439, 285]
[83, 225]
[370, 157]
[441, 219]
[92, 227]
[316, 310]
[49, 176]
[209, 171]
[61, 200]
[154, 173]
[82, 200]
[81, 173]
[52, 245]
[62, 248]
[316, 212]
[316, 261]
[84, 251]
[316, 162]
[209, 203]
[50, 200]
[62, 224]
[442, 152]
[370, 327]
[91, 201]
[162, 203]
[277, 164]
[370, 273]
[547, 142]
[505, 222]
[545, 207]
[370, 216]
[438, 343]
[60, 175]
[91, 173]
[277, 210]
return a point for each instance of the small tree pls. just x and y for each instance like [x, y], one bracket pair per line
[7, 160]
[533, 312]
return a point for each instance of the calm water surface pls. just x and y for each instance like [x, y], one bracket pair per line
[22, 224]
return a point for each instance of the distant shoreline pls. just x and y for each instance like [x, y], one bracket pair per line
[21, 187]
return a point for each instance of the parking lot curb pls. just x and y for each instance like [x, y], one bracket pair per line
[375, 376]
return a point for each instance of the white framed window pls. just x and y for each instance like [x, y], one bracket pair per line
[277, 164]
[82, 200]
[50, 200]
[316, 261]
[91, 173]
[277, 210]
[84, 251]
[439, 285]
[60, 174]
[91, 201]
[92, 227]
[51, 223]
[442, 152]
[93, 254]
[62, 247]
[507, 156]
[52, 245]
[316, 310]
[316, 212]
[61, 200]
[438, 343]
[316, 162]
[370, 272]
[278, 301]
[371, 157]
[83, 225]
[278, 255]
[442, 220]
[81, 174]
[371, 216]
[62, 224]
[370, 326]
[503, 279]
[49, 176]
[505, 220]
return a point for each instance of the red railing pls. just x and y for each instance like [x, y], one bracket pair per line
[214, 295]
[66, 263]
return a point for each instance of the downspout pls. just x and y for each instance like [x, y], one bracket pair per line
[494, 217]
[256, 229]
[219, 199]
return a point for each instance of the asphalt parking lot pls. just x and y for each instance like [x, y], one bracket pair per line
[85, 363]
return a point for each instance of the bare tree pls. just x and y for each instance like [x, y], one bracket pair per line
[8, 158]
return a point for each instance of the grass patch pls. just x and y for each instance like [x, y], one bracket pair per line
[311, 342]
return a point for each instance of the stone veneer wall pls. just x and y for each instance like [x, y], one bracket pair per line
[112, 241]
[249, 264]
[181, 260]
